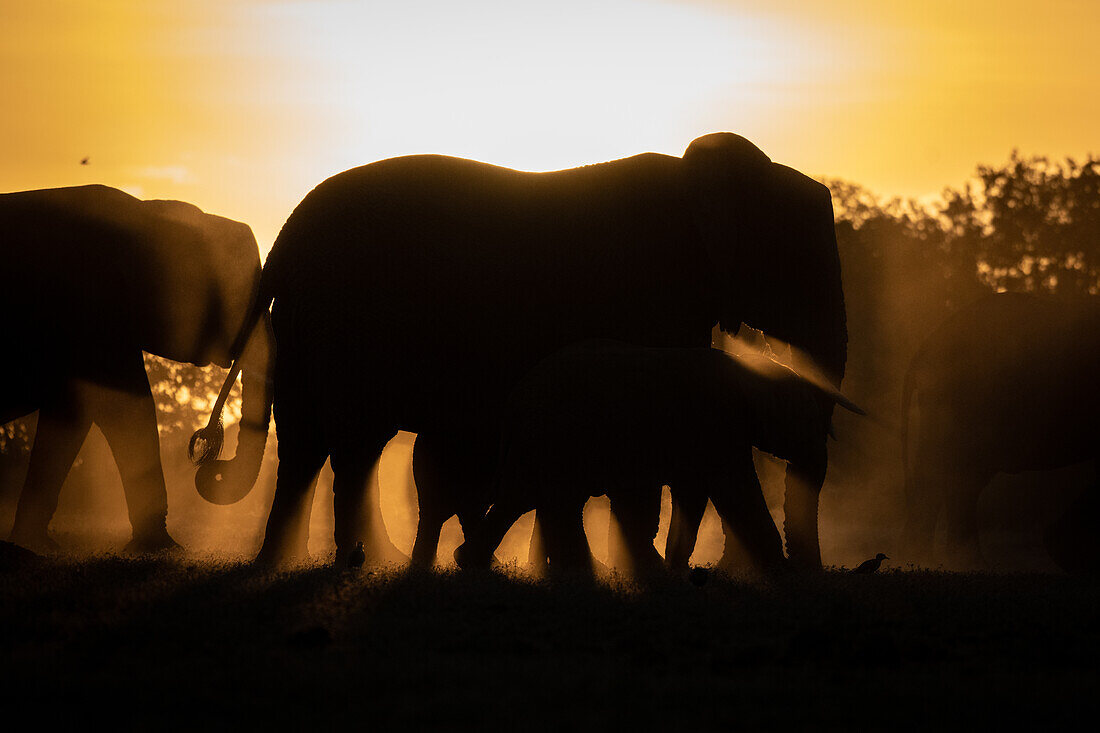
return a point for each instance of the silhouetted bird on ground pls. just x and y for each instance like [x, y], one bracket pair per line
[357, 557]
[698, 577]
[85, 160]
[870, 566]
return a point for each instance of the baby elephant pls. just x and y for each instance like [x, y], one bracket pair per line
[603, 417]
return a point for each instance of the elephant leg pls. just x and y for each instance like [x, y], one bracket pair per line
[802, 494]
[566, 543]
[472, 520]
[357, 507]
[128, 419]
[301, 457]
[1073, 541]
[740, 503]
[636, 513]
[63, 425]
[453, 473]
[486, 534]
[930, 472]
[536, 551]
[961, 492]
[428, 529]
[434, 503]
[286, 536]
[924, 505]
[738, 475]
[735, 558]
[688, 508]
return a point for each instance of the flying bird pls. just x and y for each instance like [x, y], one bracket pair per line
[870, 566]
[357, 557]
[85, 160]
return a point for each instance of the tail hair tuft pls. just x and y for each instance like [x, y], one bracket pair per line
[206, 443]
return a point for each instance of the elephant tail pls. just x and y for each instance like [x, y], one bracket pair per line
[206, 443]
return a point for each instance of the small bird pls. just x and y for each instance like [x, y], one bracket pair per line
[357, 557]
[870, 566]
[85, 160]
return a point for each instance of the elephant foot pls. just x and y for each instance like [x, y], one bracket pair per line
[271, 559]
[601, 570]
[737, 564]
[379, 553]
[964, 558]
[648, 563]
[151, 542]
[277, 552]
[641, 561]
[468, 558]
[589, 569]
[38, 542]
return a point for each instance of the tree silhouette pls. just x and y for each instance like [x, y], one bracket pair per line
[1031, 225]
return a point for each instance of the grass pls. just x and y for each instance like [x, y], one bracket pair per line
[183, 643]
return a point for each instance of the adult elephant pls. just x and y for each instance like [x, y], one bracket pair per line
[1008, 384]
[97, 277]
[413, 292]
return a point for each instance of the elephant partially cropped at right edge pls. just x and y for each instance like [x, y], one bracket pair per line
[1009, 384]
[412, 293]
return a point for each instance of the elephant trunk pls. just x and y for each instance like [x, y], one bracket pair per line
[229, 481]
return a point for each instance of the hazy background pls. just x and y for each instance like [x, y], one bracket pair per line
[242, 107]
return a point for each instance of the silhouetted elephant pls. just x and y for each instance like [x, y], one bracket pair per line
[606, 417]
[1009, 384]
[97, 277]
[413, 292]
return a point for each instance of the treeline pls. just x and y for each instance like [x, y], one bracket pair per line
[1030, 225]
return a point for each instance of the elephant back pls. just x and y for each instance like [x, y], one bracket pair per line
[106, 273]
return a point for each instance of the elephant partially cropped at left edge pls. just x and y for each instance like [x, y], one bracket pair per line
[413, 293]
[96, 277]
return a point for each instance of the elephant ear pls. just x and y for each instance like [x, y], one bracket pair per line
[212, 275]
[727, 183]
[768, 232]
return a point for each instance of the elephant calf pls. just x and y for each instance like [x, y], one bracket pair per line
[605, 417]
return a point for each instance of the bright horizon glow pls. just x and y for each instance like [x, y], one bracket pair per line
[241, 107]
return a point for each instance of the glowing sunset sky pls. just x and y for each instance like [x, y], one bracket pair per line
[242, 107]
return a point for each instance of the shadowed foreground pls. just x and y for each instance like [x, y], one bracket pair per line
[176, 643]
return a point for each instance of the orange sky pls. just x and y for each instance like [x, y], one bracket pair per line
[242, 107]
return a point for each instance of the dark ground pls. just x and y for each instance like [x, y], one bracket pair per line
[182, 643]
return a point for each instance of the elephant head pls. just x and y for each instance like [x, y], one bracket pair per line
[110, 274]
[768, 231]
[208, 291]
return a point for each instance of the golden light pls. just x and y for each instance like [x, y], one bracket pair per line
[242, 106]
